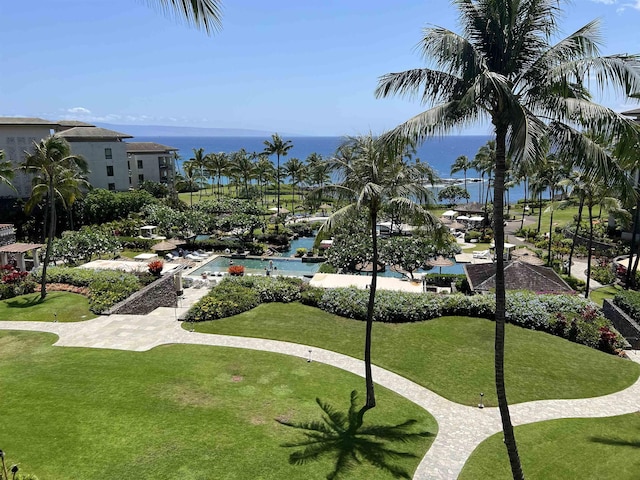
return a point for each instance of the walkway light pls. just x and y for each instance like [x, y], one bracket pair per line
[481, 404]
[309, 357]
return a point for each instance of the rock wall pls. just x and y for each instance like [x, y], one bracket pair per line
[161, 293]
[627, 327]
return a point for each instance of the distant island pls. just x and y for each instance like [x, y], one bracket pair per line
[171, 131]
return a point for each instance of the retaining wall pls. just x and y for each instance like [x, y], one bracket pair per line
[161, 293]
[627, 327]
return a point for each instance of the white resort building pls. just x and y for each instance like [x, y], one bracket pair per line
[114, 164]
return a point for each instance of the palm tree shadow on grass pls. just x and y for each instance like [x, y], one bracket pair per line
[346, 438]
[25, 302]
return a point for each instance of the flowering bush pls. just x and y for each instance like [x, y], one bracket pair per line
[15, 282]
[236, 270]
[155, 267]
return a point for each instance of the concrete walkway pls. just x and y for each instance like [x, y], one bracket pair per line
[460, 428]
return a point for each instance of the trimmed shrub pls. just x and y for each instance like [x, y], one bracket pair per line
[604, 275]
[106, 287]
[629, 302]
[227, 299]
[312, 296]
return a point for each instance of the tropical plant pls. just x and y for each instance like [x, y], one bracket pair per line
[462, 164]
[451, 193]
[279, 147]
[370, 175]
[505, 68]
[6, 171]
[56, 176]
[190, 180]
[199, 13]
[344, 437]
[296, 170]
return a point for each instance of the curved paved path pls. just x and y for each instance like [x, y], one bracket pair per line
[460, 428]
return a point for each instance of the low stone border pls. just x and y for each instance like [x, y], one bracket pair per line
[626, 325]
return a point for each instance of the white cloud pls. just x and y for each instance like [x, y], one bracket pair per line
[81, 110]
[606, 2]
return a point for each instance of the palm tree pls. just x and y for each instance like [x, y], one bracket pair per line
[462, 164]
[504, 68]
[200, 161]
[345, 438]
[190, 179]
[370, 176]
[280, 148]
[265, 172]
[199, 13]
[57, 175]
[294, 169]
[6, 171]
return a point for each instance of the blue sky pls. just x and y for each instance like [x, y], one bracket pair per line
[295, 66]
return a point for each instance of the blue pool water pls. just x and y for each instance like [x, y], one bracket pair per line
[259, 266]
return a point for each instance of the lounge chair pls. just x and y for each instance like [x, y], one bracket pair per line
[195, 258]
[482, 254]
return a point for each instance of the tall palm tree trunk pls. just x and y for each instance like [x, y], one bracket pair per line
[630, 278]
[500, 316]
[539, 211]
[590, 210]
[370, 401]
[549, 262]
[575, 234]
[47, 254]
[524, 204]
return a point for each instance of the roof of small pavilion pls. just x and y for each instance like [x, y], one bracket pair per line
[517, 276]
[473, 207]
[20, 247]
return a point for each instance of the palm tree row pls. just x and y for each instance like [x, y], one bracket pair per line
[243, 171]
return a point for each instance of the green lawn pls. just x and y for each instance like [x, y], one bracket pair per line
[179, 411]
[60, 306]
[594, 448]
[600, 294]
[453, 356]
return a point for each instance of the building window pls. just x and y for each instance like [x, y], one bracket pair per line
[107, 154]
[128, 165]
[130, 181]
[109, 170]
[140, 178]
[112, 186]
[139, 164]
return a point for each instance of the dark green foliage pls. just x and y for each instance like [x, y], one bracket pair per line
[100, 206]
[135, 243]
[577, 284]
[629, 302]
[584, 322]
[326, 267]
[604, 275]
[312, 296]
[106, 287]
[227, 299]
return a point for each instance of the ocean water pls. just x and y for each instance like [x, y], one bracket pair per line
[439, 153]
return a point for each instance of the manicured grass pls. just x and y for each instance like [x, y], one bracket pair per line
[60, 306]
[599, 295]
[180, 411]
[594, 448]
[453, 356]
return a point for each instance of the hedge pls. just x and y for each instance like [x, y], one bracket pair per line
[239, 294]
[106, 287]
[629, 302]
[568, 316]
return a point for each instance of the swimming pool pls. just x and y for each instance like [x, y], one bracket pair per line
[293, 267]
